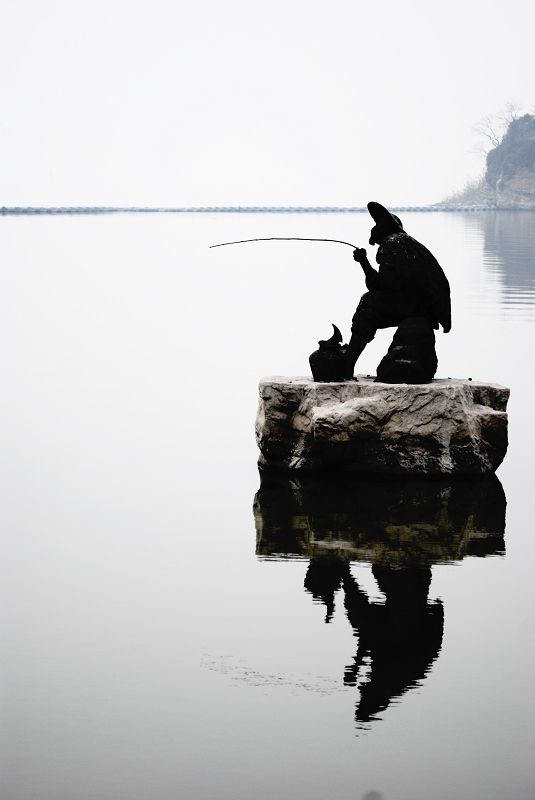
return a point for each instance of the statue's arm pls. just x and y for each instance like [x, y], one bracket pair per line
[370, 274]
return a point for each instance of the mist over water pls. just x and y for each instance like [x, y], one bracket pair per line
[170, 626]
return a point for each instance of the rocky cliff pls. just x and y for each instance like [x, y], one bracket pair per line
[509, 178]
[511, 166]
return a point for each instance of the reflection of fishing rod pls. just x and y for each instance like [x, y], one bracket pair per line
[285, 239]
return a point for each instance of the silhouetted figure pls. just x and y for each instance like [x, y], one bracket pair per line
[409, 284]
[401, 637]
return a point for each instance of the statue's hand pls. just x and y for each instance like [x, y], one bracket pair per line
[359, 254]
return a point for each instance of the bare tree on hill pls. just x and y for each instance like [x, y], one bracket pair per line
[492, 127]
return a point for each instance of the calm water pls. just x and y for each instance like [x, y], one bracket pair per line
[168, 630]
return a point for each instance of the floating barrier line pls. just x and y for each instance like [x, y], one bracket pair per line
[27, 210]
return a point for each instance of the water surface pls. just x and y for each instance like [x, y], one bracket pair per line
[160, 636]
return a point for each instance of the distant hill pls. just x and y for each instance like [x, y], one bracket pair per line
[509, 179]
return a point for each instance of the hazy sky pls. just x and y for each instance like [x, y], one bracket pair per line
[242, 102]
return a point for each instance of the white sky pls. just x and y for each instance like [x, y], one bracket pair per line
[240, 102]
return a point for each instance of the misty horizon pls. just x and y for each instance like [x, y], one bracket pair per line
[137, 105]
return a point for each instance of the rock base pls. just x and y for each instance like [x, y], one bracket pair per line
[445, 427]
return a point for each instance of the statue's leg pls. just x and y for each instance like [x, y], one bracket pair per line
[373, 311]
[356, 345]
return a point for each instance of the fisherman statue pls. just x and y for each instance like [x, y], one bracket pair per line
[408, 291]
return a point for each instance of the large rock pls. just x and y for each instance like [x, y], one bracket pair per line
[441, 428]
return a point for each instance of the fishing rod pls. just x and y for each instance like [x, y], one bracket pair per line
[284, 239]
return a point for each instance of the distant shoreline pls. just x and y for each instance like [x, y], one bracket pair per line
[30, 210]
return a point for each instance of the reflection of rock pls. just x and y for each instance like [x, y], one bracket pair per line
[441, 428]
[387, 523]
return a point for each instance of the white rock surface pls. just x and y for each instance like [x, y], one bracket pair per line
[441, 428]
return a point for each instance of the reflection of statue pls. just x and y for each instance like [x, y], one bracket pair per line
[402, 528]
[400, 637]
[409, 290]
